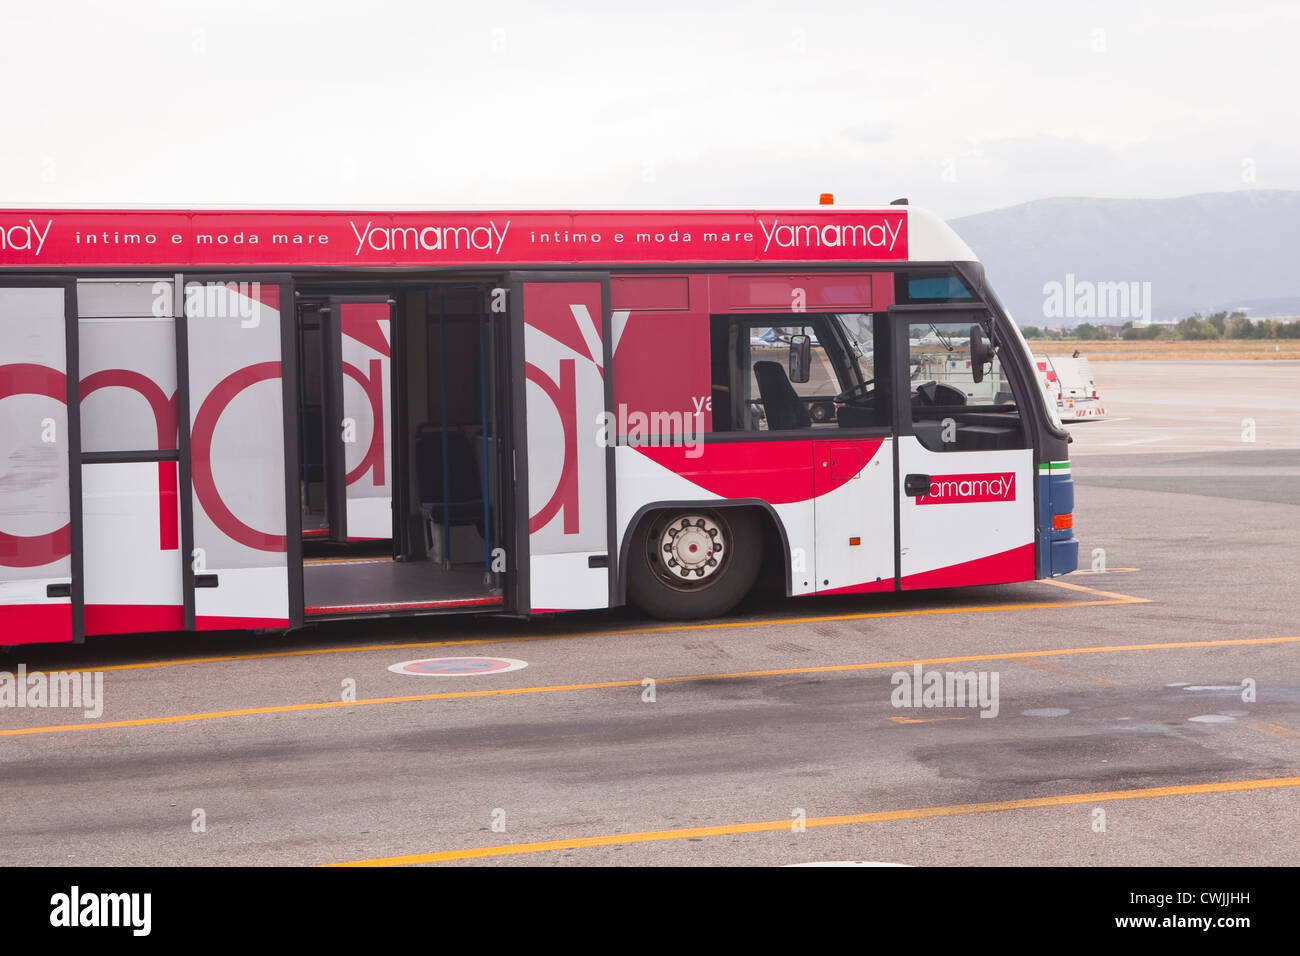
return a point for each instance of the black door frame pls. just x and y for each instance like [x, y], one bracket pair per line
[72, 397]
[336, 491]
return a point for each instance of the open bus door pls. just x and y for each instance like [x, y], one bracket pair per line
[40, 490]
[241, 522]
[356, 348]
[561, 344]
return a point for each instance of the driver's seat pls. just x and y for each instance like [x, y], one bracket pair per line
[937, 394]
[781, 402]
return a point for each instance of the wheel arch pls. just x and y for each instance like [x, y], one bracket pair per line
[769, 519]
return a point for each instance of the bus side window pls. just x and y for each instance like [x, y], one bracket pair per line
[950, 411]
[750, 359]
[852, 347]
[752, 389]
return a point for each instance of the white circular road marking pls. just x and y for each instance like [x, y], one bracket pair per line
[457, 666]
[848, 863]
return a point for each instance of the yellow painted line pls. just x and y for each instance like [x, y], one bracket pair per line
[852, 819]
[919, 612]
[617, 632]
[348, 561]
[602, 685]
[1107, 571]
[1117, 598]
[317, 705]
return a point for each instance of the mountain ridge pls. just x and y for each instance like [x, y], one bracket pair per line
[1200, 253]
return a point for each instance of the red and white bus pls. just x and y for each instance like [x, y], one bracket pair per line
[255, 419]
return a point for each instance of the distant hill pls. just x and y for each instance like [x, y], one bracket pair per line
[1200, 253]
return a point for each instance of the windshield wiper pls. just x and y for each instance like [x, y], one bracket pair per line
[946, 343]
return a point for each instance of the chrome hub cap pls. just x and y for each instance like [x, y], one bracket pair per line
[691, 547]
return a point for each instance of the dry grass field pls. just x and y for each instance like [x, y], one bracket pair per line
[1119, 351]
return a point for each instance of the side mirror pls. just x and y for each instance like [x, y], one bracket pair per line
[800, 358]
[981, 352]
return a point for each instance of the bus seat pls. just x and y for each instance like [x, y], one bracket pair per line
[311, 468]
[780, 401]
[464, 501]
[313, 459]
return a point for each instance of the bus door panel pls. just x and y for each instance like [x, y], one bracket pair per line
[130, 472]
[245, 536]
[974, 523]
[965, 484]
[562, 470]
[132, 556]
[853, 483]
[39, 488]
[358, 418]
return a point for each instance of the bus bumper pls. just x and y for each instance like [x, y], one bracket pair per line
[1058, 549]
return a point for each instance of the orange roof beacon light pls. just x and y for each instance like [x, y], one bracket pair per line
[827, 199]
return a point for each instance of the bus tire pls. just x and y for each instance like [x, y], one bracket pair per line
[691, 563]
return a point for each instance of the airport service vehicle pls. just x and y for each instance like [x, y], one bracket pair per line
[1069, 383]
[255, 419]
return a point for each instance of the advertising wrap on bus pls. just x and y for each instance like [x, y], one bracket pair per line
[200, 238]
[253, 419]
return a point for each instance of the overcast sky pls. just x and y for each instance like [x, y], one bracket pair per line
[960, 108]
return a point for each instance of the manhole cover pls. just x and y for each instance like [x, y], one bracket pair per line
[457, 666]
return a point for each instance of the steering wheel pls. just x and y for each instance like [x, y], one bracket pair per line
[858, 390]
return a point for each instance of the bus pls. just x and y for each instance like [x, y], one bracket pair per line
[257, 419]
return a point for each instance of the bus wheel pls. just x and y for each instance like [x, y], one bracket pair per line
[684, 565]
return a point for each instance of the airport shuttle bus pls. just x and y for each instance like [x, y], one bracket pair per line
[254, 419]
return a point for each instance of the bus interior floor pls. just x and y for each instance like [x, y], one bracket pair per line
[365, 583]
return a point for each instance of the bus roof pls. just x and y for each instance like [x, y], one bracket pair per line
[230, 237]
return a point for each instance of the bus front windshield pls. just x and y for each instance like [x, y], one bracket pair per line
[1026, 357]
[857, 334]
